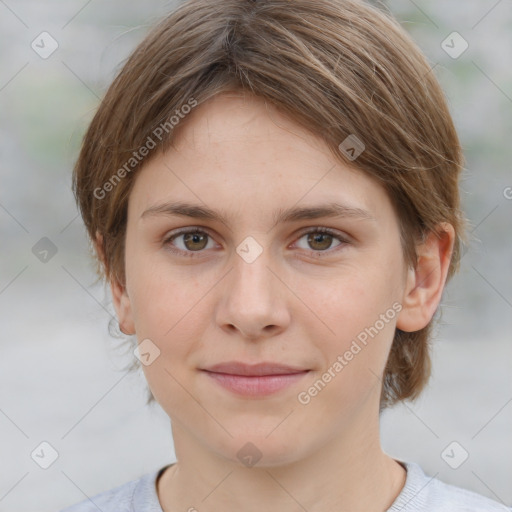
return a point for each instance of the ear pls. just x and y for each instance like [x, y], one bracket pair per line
[425, 283]
[120, 298]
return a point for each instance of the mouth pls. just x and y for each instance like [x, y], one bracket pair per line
[254, 380]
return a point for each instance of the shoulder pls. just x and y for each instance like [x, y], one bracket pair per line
[128, 497]
[426, 493]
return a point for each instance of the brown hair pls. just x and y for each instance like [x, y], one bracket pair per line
[337, 67]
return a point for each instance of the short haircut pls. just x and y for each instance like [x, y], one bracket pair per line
[338, 68]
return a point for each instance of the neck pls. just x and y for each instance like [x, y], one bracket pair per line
[347, 473]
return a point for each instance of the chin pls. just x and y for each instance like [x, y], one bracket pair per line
[259, 450]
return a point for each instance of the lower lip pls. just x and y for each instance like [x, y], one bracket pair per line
[256, 385]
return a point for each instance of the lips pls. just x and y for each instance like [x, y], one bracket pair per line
[254, 380]
[254, 370]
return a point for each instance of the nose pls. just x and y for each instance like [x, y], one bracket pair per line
[254, 300]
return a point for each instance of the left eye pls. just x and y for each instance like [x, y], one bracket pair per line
[321, 239]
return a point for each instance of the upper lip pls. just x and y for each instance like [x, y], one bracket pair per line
[264, 368]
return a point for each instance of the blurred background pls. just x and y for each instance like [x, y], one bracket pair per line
[61, 377]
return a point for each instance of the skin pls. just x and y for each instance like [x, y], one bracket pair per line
[295, 304]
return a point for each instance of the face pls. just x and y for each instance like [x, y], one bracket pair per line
[268, 276]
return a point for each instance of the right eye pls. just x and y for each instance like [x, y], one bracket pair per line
[189, 241]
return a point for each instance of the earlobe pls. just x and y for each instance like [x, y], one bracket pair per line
[120, 298]
[123, 307]
[425, 283]
[98, 245]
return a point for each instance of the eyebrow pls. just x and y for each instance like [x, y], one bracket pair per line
[330, 210]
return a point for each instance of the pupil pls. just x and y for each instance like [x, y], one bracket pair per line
[195, 238]
[319, 238]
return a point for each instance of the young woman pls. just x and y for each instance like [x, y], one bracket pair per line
[272, 192]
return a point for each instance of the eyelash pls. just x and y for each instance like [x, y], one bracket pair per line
[323, 230]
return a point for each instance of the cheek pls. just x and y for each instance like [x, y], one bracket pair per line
[169, 311]
[354, 355]
[355, 315]
[162, 298]
[353, 299]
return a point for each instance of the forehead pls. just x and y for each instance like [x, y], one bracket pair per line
[240, 154]
[232, 124]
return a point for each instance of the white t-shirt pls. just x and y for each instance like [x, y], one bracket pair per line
[420, 493]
